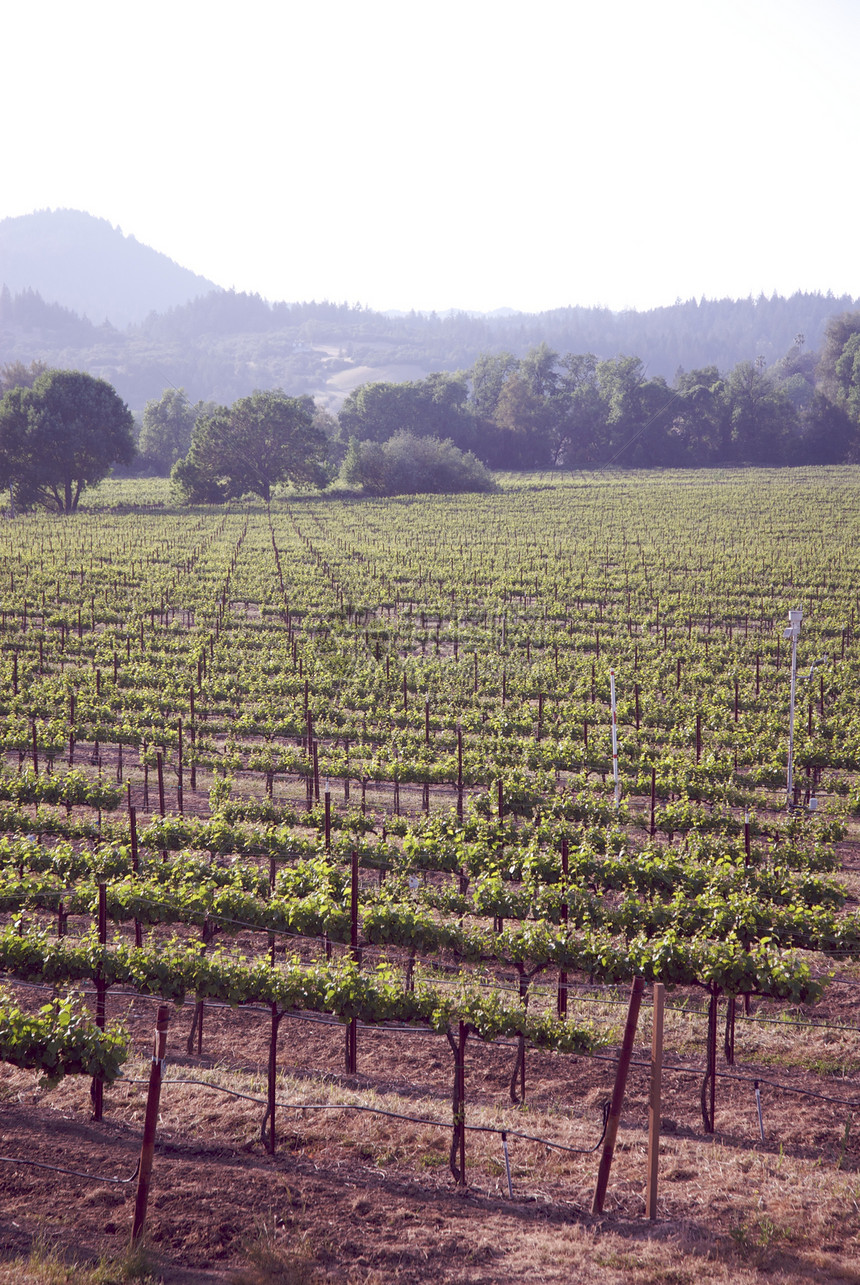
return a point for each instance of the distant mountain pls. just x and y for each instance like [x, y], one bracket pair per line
[87, 265]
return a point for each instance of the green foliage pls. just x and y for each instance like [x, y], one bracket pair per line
[61, 1039]
[61, 436]
[72, 789]
[260, 441]
[168, 424]
[505, 614]
[433, 407]
[406, 465]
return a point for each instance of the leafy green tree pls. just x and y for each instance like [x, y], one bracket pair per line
[432, 407]
[525, 419]
[837, 373]
[638, 415]
[375, 411]
[257, 443]
[16, 375]
[580, 412]
[539, 367]
[701, 429]
[764, 421]
[488, 376]
[168, 422]
[848, 375]
[61, 436]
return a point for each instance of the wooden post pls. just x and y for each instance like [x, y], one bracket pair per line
[729, 1038]
[458, 1139]
[270, 1139]
[653, 800]
[654, 1100]
[618, 1095]
[352, 1028]
[97, 1087]
[150, 1122]
[160, 766]
[709, 1083]
[135, 863]
[459, 774]
[562, 976]
[327, 801]
[193, 738]
[179, 782]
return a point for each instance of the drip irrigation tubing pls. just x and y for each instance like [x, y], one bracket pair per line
[668, 1068]
[392, 1115]
[75, 1173]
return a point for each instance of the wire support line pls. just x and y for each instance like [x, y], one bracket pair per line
[75, 1173]
[392, 1115]
[502, 986]
[116, 993]
[668, 1068]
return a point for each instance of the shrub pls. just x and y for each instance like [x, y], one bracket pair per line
[407, 465]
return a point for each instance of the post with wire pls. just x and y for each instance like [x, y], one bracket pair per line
[792, 633]
[614, 737]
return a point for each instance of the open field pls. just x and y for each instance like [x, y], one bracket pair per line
[363, 751]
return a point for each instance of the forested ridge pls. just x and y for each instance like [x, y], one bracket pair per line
[225, 345]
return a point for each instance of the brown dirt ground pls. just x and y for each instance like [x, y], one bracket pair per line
[363, 1198]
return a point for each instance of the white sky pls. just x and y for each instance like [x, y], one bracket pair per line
[460, 153]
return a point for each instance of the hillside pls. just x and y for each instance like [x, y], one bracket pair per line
[91, 268]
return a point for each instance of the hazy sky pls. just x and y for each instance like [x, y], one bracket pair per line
[461, 153]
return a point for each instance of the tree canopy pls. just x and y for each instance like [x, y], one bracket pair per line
[578, 411]
[16, 375]
[168, 422]
[250, 447]
[431, 407]
[61, 436]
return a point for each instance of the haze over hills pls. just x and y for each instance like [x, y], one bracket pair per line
[87, 265]
[64, 272]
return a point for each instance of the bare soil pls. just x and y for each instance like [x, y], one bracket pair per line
[352, 1196]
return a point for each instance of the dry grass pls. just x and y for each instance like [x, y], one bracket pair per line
[46, 1265]
[361, 1198]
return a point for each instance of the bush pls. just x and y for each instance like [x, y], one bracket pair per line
[408, 465]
